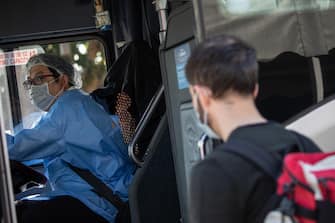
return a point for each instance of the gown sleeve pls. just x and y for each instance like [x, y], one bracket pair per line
[42, 141]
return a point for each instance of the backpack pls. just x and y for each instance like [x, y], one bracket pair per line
[305, 184]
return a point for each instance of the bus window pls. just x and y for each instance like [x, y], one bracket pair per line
[328, 69]
[88, 59]
[285, 86]
[231, 8]
[4, 95]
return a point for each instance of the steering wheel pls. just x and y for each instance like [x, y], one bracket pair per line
[23, 175]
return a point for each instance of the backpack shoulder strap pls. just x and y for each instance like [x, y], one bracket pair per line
[304, 143]
[262, 158]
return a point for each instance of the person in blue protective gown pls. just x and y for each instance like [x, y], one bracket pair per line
[74, 130]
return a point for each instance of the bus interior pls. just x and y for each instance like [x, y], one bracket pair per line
[130, 56]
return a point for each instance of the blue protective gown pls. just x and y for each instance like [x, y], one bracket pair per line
[77, 130]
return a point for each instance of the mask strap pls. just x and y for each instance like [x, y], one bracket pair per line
[60, 92]
[201, 112]
[53, 80]
[205, 117]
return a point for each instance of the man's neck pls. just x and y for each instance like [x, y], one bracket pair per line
[233, 115]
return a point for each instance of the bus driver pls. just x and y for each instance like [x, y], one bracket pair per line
[74, 130]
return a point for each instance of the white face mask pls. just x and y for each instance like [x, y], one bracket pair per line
[41, 96]
[204, 124]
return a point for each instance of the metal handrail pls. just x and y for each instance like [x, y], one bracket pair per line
[143, 123]
[161, 8]
[199, 20]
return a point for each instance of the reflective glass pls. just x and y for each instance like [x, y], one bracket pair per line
[86, 56]
[231, 8]
[4, 98]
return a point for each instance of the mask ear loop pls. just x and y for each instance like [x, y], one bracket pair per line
[201, 112]
[60, 92]
[196, 108]
[205, 117]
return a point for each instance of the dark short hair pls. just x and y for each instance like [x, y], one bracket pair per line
[223, 63]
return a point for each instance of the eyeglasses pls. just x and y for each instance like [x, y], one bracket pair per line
[38, 80]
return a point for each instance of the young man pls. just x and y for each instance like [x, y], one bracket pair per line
[77, 131]
[223, 73]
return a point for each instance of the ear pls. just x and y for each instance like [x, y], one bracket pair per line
[256, 90]
[204, 95]
[65, 81]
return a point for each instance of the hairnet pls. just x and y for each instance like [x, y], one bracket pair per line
[57, 63]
